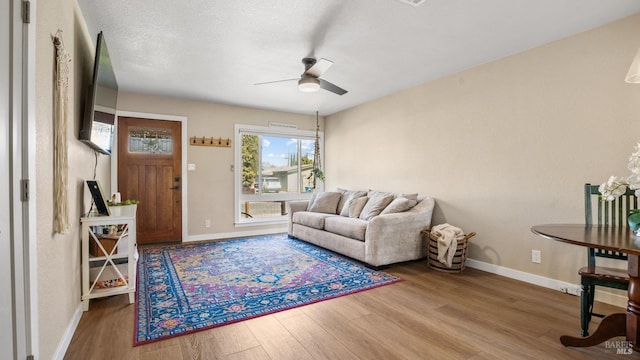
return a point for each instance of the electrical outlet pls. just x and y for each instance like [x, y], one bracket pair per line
[536, 256]
[207, 223]
[570, 289]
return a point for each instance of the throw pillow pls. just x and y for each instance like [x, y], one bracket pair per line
[376, 203]
[372, 193]
[396, 195]
[343, 205]
[325, 202]
[356, 206]
[413, 199]
[313, 197]
[398, 205]
[345, 196]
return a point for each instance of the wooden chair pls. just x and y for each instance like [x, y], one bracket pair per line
[608, 213]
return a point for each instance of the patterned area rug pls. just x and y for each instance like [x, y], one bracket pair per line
[193, 287]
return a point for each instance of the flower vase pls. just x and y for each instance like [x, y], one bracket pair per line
[634, 221]
[123, 210]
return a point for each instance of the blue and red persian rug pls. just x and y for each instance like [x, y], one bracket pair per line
[188, 288]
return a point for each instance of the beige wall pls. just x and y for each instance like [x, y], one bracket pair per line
[58, 256]
[210, 186]
[503, 146]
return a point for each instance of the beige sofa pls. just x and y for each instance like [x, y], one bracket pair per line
[374, 227]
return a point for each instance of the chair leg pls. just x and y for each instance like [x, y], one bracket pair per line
[592, 296]
[586, 306]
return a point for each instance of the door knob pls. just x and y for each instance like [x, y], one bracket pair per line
[177, 187]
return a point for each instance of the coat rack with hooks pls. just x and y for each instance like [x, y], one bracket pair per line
[210, 141]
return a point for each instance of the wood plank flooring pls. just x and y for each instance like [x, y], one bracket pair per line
[430, 315]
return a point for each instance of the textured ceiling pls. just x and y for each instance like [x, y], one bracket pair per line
[215, 50]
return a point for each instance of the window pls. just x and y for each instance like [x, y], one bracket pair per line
[154, 141]
[272, 166]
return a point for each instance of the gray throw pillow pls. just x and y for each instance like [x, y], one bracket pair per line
[343, 206]
[345, 195]
[313, 197]
[398, 205]
[325, 202]
[356, 206]
[413, 199]
[376, 203]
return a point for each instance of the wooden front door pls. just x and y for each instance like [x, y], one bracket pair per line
[149, 170]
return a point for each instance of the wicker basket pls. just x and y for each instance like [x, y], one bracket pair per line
[457, 266]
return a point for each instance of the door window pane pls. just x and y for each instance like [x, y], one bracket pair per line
[154, 141]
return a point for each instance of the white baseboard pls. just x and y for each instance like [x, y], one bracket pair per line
[68, 334]
[235, 234]
[612, 299]
[565, 287]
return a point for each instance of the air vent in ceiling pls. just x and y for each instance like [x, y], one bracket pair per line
[412, 2]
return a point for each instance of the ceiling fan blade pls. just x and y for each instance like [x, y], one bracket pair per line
[276, 81]
[319, 67]
[331, 87]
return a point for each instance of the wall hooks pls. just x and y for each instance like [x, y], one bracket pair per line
[210, 141]
[57, 38]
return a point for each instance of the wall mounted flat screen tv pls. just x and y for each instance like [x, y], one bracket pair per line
[98, 124]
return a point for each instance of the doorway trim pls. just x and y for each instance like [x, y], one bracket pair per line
[19, 45]
[183, 160]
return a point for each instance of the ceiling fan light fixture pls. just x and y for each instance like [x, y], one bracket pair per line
[308, 84]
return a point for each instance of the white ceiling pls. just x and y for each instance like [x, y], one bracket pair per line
[215, 50]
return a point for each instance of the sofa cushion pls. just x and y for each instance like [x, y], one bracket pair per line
[346, 194]
[343, 205]
[350, 227]
[413, 199]
[372, 193]
[400, 204]
[356, 206]
[324, 202]
[376, 203]
[310, 219]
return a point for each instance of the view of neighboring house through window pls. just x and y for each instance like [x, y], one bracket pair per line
[273, 165]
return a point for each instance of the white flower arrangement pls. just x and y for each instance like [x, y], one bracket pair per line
[617, 186]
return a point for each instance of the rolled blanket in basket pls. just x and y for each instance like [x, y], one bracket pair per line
[448, 236]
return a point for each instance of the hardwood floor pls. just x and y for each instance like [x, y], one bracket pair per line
[430, 315]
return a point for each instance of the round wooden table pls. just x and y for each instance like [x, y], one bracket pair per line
[613, 238]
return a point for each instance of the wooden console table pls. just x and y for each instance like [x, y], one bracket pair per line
[614, 238]
[100, 262]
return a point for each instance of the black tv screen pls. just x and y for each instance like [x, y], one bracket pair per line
[98, 125]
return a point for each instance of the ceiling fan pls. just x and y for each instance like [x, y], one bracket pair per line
[310, 80]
